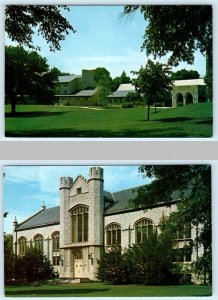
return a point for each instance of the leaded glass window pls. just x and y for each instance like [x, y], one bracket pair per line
[80, 224]
[38, 242]
[22, 242]
[143, 229]
[113, 234]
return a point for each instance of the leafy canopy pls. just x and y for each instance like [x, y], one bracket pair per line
[176, 29]
[21, 21]
[154, 82]
[190, 185]
[26, 72]
[185, 74]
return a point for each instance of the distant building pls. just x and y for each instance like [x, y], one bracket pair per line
[90, 220]
[190, 91]
[118, 96]
[70, 85]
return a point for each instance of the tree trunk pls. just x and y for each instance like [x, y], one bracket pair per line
[209, 75]
[13, 104]
[148, 116]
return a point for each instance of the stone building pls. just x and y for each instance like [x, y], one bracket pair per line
[69, 86]
[90, 220]
[187, 92]
[184, 92]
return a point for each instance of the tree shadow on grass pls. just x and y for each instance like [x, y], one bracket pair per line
[54, 292]
[207, 122]
[34, 114]
[175, 119]
[74, 133]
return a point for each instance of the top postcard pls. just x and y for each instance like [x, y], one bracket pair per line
[108, 71]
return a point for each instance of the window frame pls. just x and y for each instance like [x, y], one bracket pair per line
[142, 229]
[113, 235]
[39, 242]
[22, 242]
[80, 224]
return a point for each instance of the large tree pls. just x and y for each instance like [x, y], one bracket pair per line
[191, 184]
[26, 73]
[153, 81]
[178, 30]
[21, 21]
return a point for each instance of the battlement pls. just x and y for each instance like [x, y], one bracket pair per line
[66, 182]
[96, 173]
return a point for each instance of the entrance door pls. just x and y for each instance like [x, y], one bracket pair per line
[78, 264]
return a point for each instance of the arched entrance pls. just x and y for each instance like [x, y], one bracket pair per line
[78, 264]
[179, 99]
[188, 98]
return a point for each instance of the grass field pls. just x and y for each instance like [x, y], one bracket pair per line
[107, 290]
[57, 121]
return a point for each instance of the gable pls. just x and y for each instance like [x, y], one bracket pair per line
[79, 183]
[45, 217]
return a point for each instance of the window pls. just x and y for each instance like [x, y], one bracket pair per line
[183, 254]
[185, 232]
[22, 245]
[143, 229]
[78, 191]
[55, 241]
[183, 244]
[56, 260]
[80, 224]
[38, 242]
[113, 234]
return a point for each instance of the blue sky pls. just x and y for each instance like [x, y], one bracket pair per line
[104, 38]
[26, 187]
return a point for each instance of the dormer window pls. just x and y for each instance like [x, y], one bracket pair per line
[78, 191]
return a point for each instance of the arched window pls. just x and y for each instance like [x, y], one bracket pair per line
[113, 234]
[38, 242]
[80, 224]
[143, 229]
[22, 245]
[55, 240]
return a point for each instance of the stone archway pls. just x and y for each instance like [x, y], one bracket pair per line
[189, 99]
[179, 99]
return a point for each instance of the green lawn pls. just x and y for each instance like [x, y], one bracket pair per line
[107, 290]
[57, 121]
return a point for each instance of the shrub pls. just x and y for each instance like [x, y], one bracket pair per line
[112, 267]
[33, 266]
[127, 105]
[150, 263]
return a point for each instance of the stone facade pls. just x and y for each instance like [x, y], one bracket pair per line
[187, 92]
[86, 212]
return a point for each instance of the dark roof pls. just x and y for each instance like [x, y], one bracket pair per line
[119, 94]
[85, 93]
[121, 200]
[49, 216]
[68, 78]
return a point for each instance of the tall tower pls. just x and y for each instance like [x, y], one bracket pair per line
[96, 206]
[65, 185]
